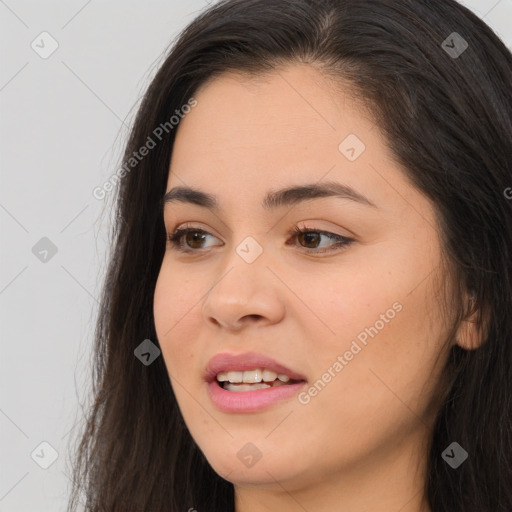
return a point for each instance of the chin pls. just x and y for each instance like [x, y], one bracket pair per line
[252, 466]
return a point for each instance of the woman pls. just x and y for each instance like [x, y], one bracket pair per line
[308, 301]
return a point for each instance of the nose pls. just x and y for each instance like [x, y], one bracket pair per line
[243, 295]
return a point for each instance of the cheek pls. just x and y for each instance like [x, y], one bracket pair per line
[175, 308]
[380, 336]
[349, 305]
[384, 362]
[376, 396]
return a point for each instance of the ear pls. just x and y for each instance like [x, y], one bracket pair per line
[470, 334]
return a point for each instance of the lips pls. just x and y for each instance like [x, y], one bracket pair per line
[225, 362]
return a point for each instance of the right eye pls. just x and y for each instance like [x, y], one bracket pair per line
[198, 236]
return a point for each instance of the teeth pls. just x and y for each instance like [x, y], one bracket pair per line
[269, 375]
[251, 387]
[230, 376]
[251, 376]
[245, 387]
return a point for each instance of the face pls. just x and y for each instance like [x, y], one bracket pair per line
[351, 307]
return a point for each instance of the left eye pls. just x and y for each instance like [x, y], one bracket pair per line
[310, 235]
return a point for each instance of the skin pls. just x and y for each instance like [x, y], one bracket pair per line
[360, 443]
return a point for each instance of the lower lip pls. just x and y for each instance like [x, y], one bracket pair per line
[250, 401]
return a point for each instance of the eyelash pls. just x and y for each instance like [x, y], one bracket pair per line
[343, 241]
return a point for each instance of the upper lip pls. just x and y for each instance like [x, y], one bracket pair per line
[225, 362]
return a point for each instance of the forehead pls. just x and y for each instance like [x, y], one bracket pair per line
[287, 122]
[247, 137]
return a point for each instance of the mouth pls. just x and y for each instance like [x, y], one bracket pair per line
[249, 382]
[249, 368]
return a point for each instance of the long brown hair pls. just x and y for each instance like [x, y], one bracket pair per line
[447, 120]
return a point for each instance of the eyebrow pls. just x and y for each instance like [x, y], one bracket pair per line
[274, 198]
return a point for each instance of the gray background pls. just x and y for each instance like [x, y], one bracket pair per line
[63, 122]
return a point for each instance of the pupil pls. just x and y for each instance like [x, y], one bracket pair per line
[314, 235]
[195, 236]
